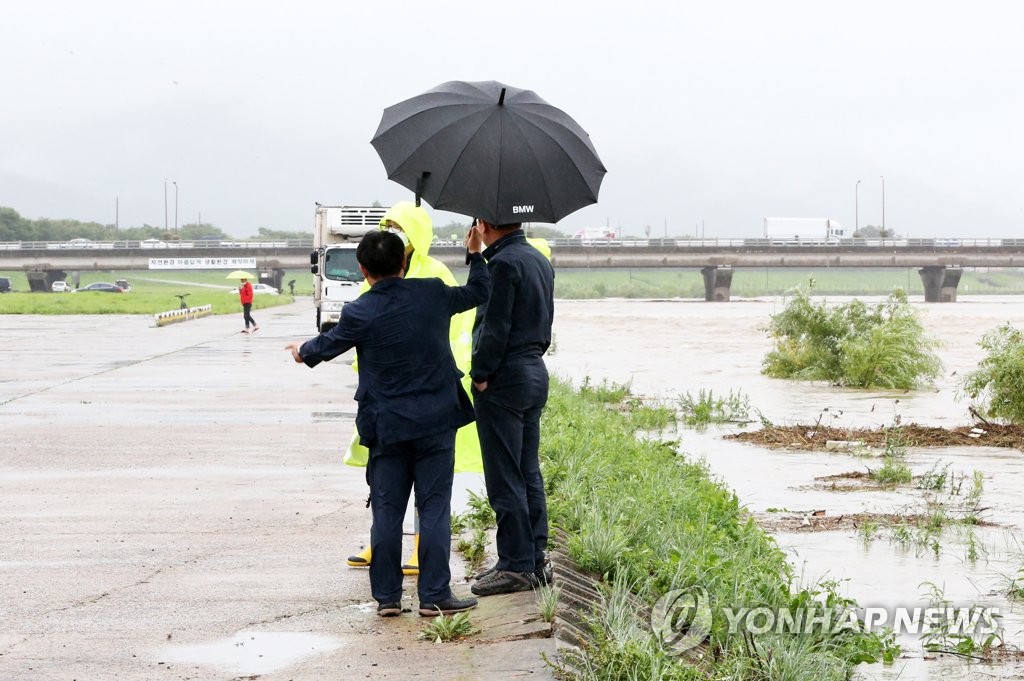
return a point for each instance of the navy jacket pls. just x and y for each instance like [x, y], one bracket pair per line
[409, 385]
[515, 325]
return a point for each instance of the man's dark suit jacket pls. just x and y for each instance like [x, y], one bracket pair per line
[408, 383]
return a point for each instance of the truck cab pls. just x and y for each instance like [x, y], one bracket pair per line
[336, 276]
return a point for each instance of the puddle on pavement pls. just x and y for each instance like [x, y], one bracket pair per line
[251, 652]
[665, 349]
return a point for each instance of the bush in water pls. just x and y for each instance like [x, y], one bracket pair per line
[852, 344]
[995, 384]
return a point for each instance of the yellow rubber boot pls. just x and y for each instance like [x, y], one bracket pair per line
[412, 565]
[361, 559]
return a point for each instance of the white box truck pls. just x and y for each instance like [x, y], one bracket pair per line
[336, 277]
[807, 231]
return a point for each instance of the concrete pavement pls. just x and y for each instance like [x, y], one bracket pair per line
[173, 505]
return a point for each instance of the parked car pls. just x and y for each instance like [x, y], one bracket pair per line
[81, 243]
[101, 287]
[153, 243]
[259, 288]
[60, 287]
[5, 284]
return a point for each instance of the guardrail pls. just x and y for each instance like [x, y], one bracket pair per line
[156, 247]
[182, 315]
[712, 243]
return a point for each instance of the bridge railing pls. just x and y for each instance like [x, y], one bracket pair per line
[163, 245]
[660, 244]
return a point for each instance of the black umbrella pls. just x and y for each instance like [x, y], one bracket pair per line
[489, 151]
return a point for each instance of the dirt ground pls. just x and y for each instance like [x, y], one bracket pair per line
[816, 437]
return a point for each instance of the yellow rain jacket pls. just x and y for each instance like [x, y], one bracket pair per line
[420, 230]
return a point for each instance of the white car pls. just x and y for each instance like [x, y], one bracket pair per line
[259, 288]
[153, 243]
[60, 287]
[81, 243]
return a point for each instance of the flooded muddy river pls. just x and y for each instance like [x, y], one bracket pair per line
[667, 348]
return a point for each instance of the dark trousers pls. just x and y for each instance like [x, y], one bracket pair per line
[393, 469]
[246, 316]
[508, 422]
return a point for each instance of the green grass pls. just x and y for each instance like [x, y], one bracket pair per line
[443, 629]
[151, 292]
[127, 303]
[705, 408]
[649, 520]
[165, 280]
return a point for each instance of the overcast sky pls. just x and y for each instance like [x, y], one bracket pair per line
[715, 114]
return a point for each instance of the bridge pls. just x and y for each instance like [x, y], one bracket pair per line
[938, 261]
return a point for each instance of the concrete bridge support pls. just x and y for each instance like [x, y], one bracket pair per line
[940, 283]
[717, 282]
[272, 276]
[42, 280]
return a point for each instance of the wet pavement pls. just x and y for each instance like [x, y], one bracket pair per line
[173, 505]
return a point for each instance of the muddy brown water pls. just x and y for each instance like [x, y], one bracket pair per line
[667, 348]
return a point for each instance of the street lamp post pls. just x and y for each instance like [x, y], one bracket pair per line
[175, 206]
[883, 203]
[856, 207]
[165, 204]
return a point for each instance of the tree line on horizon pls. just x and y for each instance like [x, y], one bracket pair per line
[15, 227]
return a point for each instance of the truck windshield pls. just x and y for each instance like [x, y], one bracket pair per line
[340, 264]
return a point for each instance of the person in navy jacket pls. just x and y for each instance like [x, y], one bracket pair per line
[510, 389]
[411, 402]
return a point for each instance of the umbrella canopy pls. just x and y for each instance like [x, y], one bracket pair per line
[489, 151]
[239, 274]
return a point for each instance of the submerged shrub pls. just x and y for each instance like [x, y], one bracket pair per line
[883, 346]
[706, 408]
[995, 385]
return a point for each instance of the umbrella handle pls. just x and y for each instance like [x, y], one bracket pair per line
[420, 181]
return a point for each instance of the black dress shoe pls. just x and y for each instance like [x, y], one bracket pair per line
[448, 606]
[504, 582]
[543, 574]
[389, 609]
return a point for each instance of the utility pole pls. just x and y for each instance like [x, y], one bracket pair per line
[175, 206]
[116, 209]
[165, 204]
[883, 203]
[856, 207]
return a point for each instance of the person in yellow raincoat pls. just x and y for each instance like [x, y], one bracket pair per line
[414, 225]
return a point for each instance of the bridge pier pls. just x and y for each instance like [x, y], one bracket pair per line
[940, 283]
[272, 276]
[42, 280]
[717, 282]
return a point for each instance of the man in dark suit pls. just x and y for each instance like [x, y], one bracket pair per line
[411, 402]
[510, 389]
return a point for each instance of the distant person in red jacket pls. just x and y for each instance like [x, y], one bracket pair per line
[245, 296]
